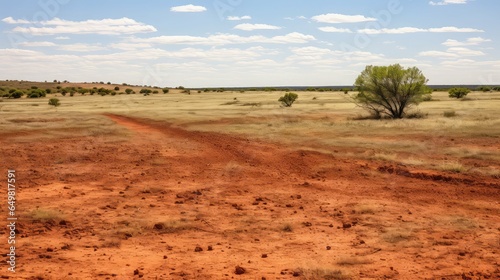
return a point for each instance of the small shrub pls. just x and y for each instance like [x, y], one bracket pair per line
[117, 88]
[287, 228]
[458, 92]
[449, 114]
[54, 102]
[288, 99]
[165, 90]
[129, 91]
[16, 94]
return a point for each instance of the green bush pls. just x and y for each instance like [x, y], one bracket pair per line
[165, 90]
[117, 88]
[288, 99]
[458, 92]
[16, 94]
[54, 102]
[129, 91]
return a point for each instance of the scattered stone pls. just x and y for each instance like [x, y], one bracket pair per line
[346, 225]
[158, 226]
[165, 257]
[264, 256]
[239, 270]
[198, 249]
[462, 254]
[307, 224]
[299, 196]
[50, 250]
[63, 223]
[136, 272]
[289, 206]
[210, 248]
[296, 274]
[328, 248]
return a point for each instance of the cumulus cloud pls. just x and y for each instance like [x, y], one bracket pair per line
[11, 20]
[37, 44]
[339, 18]
[469, 42]
[453, 53]
[406, 30]
[235, 18]
[257, 26]
[332, 29]
[447, 2]
[226, 39]
[104, 27]
[188, 9]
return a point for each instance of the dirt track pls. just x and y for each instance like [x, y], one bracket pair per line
[140, 207]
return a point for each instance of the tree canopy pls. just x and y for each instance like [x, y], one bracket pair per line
[390, 90]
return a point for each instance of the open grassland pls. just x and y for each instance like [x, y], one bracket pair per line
[323, 121]
[208, 185]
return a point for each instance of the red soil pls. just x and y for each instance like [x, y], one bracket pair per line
[140, 208]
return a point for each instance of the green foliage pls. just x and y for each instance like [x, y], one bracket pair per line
[165, 90]
[16, 94]
[54, 102]
[458, 92]
[484, 88]
[48, 90]
[390, 90]
[129, 91]
[145, 91]
[117, 88]
[288, 99]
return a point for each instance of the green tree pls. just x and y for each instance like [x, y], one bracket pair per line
[458, 92]
[390, 90]
[288, 99]
[165, 90]
[54, 102]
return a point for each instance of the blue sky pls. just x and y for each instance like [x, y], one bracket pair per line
[221, 43]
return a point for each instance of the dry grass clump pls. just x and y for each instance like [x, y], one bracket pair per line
[45, 215]
[349, 261]
[323, 274]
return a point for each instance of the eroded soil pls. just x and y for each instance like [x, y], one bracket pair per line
[169, 203]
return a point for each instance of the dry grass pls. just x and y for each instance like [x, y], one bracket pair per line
[323, 274]
[452, 166]
[350, 261]
[45, 215]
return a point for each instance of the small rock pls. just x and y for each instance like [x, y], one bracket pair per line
[264, 256]
[346, 225]
[165, 257]
[328, 248]
[50, 250]
[296, 274]
[198, 249]
[239, 270]
[210, 248]
[158, 226]
[136, 272]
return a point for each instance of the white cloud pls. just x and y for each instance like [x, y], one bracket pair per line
[188, 9]
[339, 18]
[130, 46]
[257, 26]
[469, 42]
[447, 2]
[294, 18]
[332, 29]
[452, 29]
[406, 30]
[62, 38]
[104, 26]
[79, 47]
[226, 39]
[235, 18]
[37, 44]
[11, 20]
[454, 52]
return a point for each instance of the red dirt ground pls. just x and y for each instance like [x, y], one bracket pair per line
[140, 207]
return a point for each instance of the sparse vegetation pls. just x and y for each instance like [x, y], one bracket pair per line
[390, 90]
[288, 99]
[458, 92]
[54, 102]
